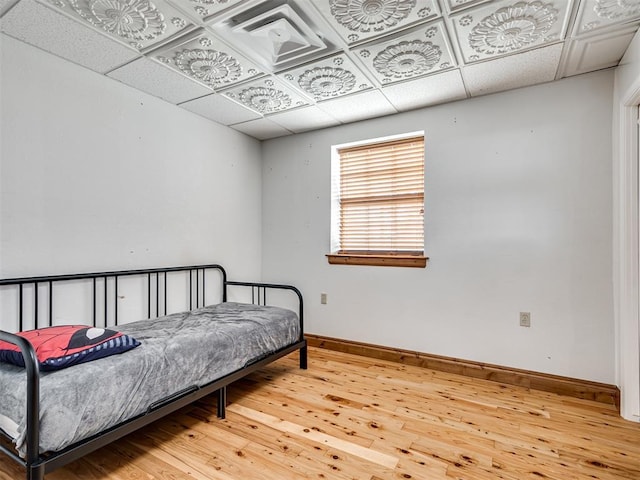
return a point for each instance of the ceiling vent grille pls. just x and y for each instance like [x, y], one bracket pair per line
[277, 38]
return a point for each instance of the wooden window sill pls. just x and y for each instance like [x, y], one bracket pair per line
[416, 261]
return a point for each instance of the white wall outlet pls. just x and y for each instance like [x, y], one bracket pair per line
[323, 298]
[525, 319]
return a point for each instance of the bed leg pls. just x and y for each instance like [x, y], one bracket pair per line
[303, 358]
[35, 472]
[222, 402]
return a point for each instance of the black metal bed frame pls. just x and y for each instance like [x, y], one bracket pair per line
[36, 464]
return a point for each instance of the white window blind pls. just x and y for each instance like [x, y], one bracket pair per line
[382, 197]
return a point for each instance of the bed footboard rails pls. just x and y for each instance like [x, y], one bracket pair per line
[32, 464]
[259, 297]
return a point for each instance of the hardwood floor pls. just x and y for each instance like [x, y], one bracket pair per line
[359, 418]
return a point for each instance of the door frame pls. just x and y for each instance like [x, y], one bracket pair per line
[626, 250]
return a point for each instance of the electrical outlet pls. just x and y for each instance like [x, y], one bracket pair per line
[525, 319]
[323, 298]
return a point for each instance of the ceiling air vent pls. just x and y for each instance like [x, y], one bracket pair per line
[278, 38]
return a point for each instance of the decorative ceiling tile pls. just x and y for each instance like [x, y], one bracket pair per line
[421, 51]
[203, 10]
[53, 32]
[158, 80]
[357, 21]
[266, 95]
[595, 14]
[599, 50]
[205, 59]
[505, 27]
[138, 23]
[329, 78]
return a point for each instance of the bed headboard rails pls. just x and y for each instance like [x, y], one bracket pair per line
[104, 288]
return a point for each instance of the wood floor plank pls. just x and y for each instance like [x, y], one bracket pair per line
[316, 436]
[350, 417]
[114, 464]
[168, 459]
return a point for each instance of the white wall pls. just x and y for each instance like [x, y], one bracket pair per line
[518, 218]
[625, 229]
[96, 175]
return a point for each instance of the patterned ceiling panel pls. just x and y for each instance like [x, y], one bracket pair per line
[205, 59]
[505, 27]
[266, 95]
[419, 52]
[329, 78]
[140, 24]
[595, 14]
[360, 20]
[349, 59]
[202, 10]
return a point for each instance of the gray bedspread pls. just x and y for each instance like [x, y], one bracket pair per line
[176, 352]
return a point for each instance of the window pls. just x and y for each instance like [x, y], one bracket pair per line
[378, 202]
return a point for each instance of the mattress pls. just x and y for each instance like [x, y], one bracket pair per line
[177, 352]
